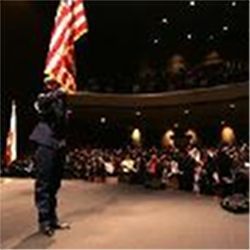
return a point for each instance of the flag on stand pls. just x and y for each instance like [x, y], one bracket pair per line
[70, 24]
[11, 143]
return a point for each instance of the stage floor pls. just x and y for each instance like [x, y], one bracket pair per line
[120, 216]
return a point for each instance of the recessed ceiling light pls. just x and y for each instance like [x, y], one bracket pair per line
[211, 37]
[189, 36]
[156, 41]
[233, 4]
[225, 28]
[232, 106]
[192, 3]
[164, 20]
[138, 113]
[103, 120]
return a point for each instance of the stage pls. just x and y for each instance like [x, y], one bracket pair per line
[120, 216]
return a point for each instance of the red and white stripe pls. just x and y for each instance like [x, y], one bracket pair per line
[11, 142]
[70, 25]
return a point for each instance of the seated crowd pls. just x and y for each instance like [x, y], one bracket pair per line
[210, 170]
[176, 75]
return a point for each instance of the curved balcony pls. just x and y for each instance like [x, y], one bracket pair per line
[181, 97]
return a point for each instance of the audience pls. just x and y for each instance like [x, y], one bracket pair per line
[175, 76]
[208, 170]
[193, 168]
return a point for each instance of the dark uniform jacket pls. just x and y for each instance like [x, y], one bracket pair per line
[43, 135]
[50, 131]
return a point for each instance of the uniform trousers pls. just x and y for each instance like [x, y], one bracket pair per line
[49, 164]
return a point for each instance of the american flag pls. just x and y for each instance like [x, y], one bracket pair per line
[70, 25]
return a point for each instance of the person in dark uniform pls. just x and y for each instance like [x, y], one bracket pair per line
[49, 136]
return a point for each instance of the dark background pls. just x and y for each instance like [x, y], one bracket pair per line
[120, 37]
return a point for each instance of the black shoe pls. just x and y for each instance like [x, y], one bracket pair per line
[46, 230]
[60, 226]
